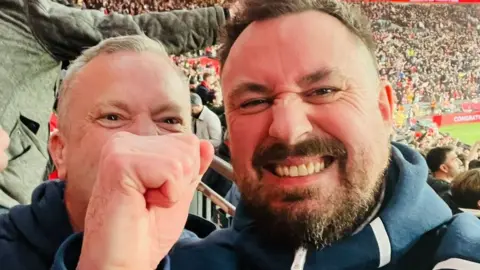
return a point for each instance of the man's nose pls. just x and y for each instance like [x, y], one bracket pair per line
[290, 123]
[145, 127]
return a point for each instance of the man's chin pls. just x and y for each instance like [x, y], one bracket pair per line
[295, 207]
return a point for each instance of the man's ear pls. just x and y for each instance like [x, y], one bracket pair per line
[385, 102]
[478, 204]
[444, 168]
[57, 149]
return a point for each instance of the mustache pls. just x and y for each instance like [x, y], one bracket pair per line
[278, 152]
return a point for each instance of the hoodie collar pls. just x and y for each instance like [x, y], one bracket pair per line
[410, 209]
[44, 223]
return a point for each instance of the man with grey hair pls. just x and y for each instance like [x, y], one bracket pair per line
[205, 123]
[124, 94]
[36, 36]
[322, 186]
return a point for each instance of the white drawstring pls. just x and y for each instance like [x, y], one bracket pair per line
[383, 242]
[299, 259]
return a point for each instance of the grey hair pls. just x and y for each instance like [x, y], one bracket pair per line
[133, 43]
[261, 10]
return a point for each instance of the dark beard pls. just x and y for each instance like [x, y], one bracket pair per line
[320, 226]
[293, 229]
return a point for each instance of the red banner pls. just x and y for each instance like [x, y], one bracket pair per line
[471, 106]
[458, 118]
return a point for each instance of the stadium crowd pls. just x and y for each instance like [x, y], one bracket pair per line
[144, 6]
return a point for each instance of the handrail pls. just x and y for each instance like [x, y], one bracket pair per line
[216, 199]
[225, 169]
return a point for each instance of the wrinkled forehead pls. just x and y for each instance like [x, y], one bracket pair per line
[284, 49]
[137, 79]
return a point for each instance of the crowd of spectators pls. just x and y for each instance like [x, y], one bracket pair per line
[143, 6]
[429, 53]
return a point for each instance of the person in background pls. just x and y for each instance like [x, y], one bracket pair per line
[466, 191]
[472, 155]
[204, 89]
[205, 124]
[35, 37]
[100, 104]
[193, 85]
[444, 166]
[322, 186]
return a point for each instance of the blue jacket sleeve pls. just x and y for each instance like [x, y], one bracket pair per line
[68, 254]
[460, 245]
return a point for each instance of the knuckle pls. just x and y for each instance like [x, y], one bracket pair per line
[175, 166]
[190, 139]
[114, 159]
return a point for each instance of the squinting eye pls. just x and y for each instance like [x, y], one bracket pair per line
[172, 121]
[112, 117]
[321, 92]
[255, 102]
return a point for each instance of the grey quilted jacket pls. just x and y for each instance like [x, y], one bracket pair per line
[35, 37]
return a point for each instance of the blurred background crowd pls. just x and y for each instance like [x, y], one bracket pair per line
[143, 6]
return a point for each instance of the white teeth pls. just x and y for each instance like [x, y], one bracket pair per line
[293, 171]
[300, 170]
[322, 165]
[279, 171]
[310, 168]
[317, 167]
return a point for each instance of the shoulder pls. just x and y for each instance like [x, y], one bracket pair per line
[214, 252]
[9, 234]
[460, 244]
[15, 251]
[211, 114]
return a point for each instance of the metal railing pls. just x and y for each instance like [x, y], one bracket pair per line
[208, 204]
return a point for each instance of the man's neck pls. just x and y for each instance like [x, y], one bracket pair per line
[75, 215]
[442, 176]
[197, 115]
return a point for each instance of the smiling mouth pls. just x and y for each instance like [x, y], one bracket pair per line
[310, 167]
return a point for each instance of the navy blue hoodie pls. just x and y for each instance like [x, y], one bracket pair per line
[31, 234]
[413, 230]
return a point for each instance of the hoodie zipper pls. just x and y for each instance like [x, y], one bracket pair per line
[299, 259]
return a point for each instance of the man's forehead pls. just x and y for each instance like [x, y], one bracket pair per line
[302, 42]
[131, 76]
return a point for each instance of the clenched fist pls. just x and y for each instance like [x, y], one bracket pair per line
[4, 141]
[141, 198]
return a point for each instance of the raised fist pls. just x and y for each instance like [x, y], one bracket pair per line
[141, 198]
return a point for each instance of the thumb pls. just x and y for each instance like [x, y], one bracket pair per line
[206, 155]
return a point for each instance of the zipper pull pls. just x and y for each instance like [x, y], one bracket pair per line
[299, 259]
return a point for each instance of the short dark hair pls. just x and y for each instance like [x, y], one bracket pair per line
[261, 10]
[474, 164]
[436, 157]
[206, 75]
[466, 189]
